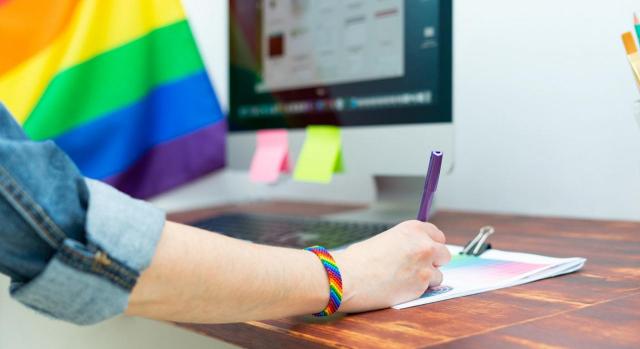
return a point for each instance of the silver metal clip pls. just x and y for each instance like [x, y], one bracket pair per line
[479, 244]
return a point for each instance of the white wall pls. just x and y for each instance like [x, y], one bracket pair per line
[544, 101]
[543, 109]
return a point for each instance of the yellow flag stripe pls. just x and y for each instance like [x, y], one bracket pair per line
[96, 26]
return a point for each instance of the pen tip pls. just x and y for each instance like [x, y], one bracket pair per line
[636, 21]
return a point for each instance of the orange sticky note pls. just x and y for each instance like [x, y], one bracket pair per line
[271, 157]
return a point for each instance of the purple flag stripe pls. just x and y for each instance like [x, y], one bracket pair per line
[175, 162]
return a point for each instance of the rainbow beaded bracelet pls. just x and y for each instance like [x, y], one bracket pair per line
[335, 280]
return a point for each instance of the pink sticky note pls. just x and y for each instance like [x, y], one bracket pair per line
[271, 157]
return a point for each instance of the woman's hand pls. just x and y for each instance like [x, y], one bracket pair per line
[393, 267]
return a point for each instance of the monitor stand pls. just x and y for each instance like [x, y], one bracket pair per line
[397, 200]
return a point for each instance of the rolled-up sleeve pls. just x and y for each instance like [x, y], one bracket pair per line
[73, 247]
[91, 282]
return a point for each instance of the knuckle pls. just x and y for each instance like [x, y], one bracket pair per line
[408, 225]
[428, 247]
[424, 251]
[424, 275]
[447, 255]
[431, 226]
[436, 232]
[436, 280]
[420, 245]
[402, 224]
[442, 238]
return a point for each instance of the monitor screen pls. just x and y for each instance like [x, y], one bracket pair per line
[340, 62]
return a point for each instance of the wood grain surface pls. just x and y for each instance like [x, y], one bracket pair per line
[597, 307]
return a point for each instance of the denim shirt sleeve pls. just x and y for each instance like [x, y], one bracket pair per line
[73, 247]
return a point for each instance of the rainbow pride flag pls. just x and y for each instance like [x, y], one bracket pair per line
[118, 84]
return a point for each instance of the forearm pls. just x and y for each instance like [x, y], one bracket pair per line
[202, 277]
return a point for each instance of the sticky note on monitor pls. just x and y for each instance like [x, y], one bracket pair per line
[271, 157]
[321, 155]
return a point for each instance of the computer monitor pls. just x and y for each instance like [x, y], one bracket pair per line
[379, 69]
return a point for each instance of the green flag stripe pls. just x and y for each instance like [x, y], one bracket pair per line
[114, 79]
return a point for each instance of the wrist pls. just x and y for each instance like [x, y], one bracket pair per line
[333, 278]
[319, 285]
[343, 260]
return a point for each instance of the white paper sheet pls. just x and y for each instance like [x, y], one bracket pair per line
[495, 269]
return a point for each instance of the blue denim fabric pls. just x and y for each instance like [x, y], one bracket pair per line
[73, 247]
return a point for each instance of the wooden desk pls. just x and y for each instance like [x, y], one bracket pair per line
[598, 307]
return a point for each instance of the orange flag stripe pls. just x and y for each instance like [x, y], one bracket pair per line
[29, 26]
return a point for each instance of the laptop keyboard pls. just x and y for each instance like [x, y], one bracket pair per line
[291, 231]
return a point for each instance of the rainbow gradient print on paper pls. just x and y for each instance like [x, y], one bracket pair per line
[495, 269]
[482, 270]
[119, 85]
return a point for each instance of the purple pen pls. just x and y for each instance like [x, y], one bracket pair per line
[430, 185]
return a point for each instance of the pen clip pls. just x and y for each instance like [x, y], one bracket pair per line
[479, 244]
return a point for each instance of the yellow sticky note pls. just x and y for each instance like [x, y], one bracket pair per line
[321, 155]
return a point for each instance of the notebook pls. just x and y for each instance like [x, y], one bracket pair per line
[494, 269]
